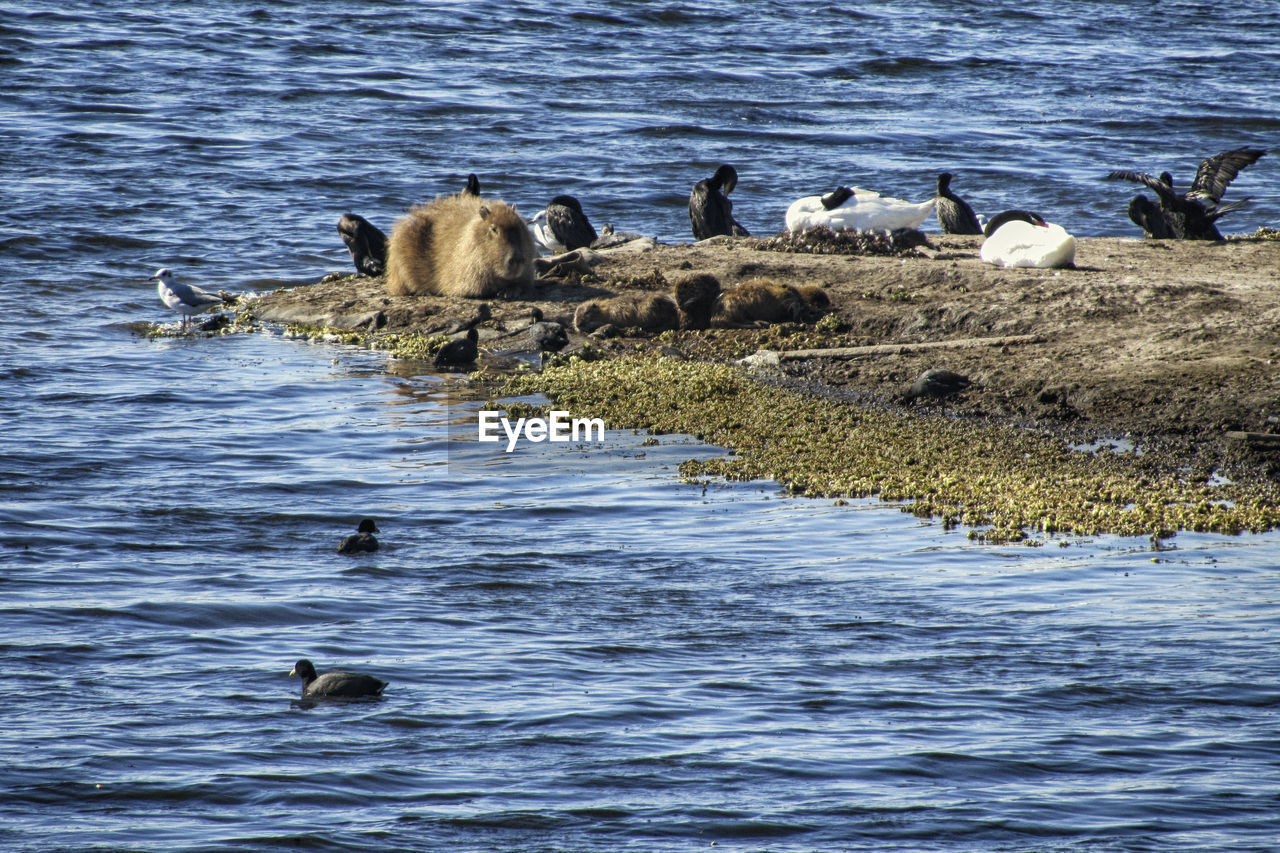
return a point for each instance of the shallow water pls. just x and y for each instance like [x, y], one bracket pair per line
[583, 652]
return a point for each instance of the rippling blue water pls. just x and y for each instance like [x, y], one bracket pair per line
[583, 653]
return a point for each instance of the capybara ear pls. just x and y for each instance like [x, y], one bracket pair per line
[484, 211]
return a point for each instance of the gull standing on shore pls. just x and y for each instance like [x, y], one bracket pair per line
[186, 299]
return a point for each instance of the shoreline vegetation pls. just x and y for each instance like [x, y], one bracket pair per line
[1133, 394]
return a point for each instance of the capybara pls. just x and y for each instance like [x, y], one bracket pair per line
[459, 245]
[651, 312]
[762, 300]
[815, 298]
[697, 296]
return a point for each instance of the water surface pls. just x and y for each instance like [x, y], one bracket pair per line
[583, 652]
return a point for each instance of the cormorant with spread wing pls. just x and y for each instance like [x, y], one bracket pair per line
[1190, 215]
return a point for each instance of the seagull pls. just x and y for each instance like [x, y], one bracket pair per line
[562, 226]
[186, 299]
[710, 211]
[938, 384]
[954, 213]
[1190, 215]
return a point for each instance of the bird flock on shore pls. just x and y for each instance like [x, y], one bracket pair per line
[1013, 238]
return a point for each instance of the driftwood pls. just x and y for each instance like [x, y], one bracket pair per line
[1269, 440]
[766, 357]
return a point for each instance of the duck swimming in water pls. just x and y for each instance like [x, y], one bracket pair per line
[562, 226]
[1019, 238]
[1191, 215]
[854, 209]
[710, 211]
[954, 213]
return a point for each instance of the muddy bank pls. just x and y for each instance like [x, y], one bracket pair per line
[1178, 339]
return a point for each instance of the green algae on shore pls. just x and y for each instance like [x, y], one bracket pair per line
[401, 345]
[1002, 482]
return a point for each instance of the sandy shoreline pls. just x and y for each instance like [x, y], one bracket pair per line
[1156, 338]
[1173, 345]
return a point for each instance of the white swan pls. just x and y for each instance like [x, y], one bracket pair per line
[1021, 242]
[855, 209]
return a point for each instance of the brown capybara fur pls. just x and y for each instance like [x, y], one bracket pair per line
[459, 245]
[815, 298]
[696, 295]
[762, 300]
[758, 300]
[650, 312]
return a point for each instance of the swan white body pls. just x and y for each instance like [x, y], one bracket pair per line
[1023, 244]
[186, 299]
[863, 211]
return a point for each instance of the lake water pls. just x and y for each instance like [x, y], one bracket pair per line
[583, 653]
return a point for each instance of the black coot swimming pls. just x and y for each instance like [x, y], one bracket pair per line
[362, 541]
[345, 685]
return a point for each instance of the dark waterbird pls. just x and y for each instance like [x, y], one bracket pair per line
[837, 197]
[367, 245]
[362, 541]
[1011, 216]
[343, 685]
[566, 228]
[1191, 215]
[461, 351]
[938, 384]
[954, 213]
[472, 187]
[710, 211]
[1149, 216]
